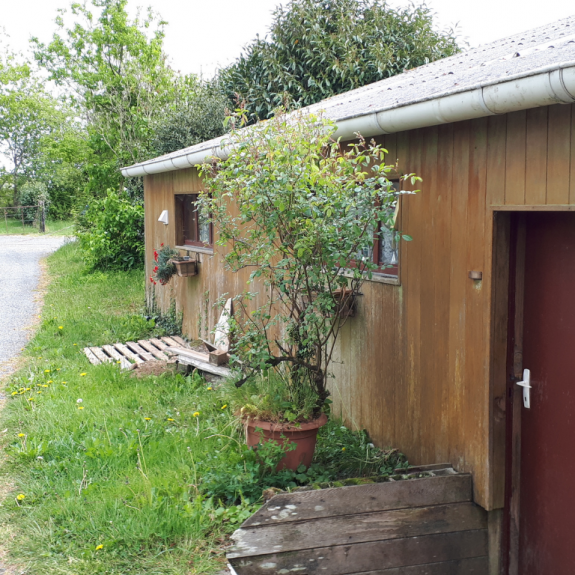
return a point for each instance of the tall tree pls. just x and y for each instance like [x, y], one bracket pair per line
[117, 74]
[319, 48]
[28, 114]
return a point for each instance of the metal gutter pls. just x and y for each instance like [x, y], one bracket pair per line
[546, 86]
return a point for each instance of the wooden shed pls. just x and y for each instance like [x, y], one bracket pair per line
[432, 361]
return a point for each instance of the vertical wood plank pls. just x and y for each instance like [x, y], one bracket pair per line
[425, 234]
[572, 167]
[441, 278]
[496, 150]
[536, 156]
[515, 159]
[475, 408]
[559, 154]
[457, 314]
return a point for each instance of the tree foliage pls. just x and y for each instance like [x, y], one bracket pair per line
[296, 208]
[117, 74]
[319, 48]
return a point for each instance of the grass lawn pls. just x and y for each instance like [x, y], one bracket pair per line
[54, 227]
[120, 475]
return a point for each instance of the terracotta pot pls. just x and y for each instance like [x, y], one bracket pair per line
[303, 435]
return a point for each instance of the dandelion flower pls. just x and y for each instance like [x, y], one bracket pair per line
[39, 391]
[209, 389]
[343, 448]
[30, 399]
[60, 327]
[75, 344]
[82, 374]
[46, 371]
[50, 381]
[170, 419]
[80, 407]
[21, 435]
[224, 406]
[57, 369]
[99, 547]
[44, 385]
[196, 413]
[20, 497]
[27, 389]
[147, 418]
[14, 393]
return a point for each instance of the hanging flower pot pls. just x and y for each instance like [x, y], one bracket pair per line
[346, 302]
[185, 267]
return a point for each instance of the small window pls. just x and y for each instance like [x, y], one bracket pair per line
[385, 251]
[193, 227]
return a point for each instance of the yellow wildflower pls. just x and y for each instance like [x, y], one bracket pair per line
[224, 406]
[209, 389]
[196, 413]
[50, 381]
[60, 327]
[44, 385]
[14, 393]
[99, 547]
[30, 399]
[21, 435]
[75, 344]
[343, 448]
[20, 497]
[80, 407]
[82, 374]
[27, 389]
[147, 418]
[46, 371]
[170, 419]
[39, 392]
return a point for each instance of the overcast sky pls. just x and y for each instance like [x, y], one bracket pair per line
[204, 34]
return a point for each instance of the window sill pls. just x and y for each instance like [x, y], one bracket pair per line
[378, 278]
[197, 249]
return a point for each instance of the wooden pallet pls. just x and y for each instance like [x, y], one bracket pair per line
[131, 354]
[427, 526]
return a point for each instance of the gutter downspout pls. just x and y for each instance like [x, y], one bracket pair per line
[555, 85]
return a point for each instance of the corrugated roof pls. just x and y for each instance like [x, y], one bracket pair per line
[516, 56]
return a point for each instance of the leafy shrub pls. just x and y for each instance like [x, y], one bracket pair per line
[111, 233]
[31, 194]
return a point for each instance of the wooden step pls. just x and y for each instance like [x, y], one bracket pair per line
[337, 501]
[190, 357]
[419, 526]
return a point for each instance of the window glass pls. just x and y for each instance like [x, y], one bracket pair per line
[193, 227]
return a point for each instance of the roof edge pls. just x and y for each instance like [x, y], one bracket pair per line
[553, 84]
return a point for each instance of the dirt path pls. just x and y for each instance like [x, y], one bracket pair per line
[20, 301]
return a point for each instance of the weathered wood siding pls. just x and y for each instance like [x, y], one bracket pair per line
[421, 366]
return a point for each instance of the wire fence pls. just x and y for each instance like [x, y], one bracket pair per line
[25, 216]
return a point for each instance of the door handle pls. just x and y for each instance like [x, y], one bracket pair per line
[526, 385]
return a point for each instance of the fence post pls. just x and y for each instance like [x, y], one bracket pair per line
[22, 214]
[6, 218]
[42, 217]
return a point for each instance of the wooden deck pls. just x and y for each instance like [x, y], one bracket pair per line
[426, 526]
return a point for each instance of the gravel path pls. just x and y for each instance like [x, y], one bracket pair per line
[19, 275]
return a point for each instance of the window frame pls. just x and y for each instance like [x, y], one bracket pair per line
[179, 212]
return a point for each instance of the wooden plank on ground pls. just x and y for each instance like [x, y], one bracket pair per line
[362, 499]
[179, 341]
[185, 357]
[170, 342]
[145, 355]
[101, 355]
[352, 529]
[153, 350]
[124, 363]
[370, 556]
[91, 357]
[160, 345]
[128, 353]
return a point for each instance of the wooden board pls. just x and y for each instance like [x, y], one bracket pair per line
[91, 357]
[180, 341]
[472, 566]
[161, 345]
[185, 357]
[145, 355]
[365, 557]
[394, 524]
[153, 350]
[321, 503]
[101, 355]
[170, 342]
[127, 353]
[124, 363]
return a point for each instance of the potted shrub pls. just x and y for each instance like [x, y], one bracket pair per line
[296, 208]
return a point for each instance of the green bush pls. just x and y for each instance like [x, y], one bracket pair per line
[111, 233]
[31, 194]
